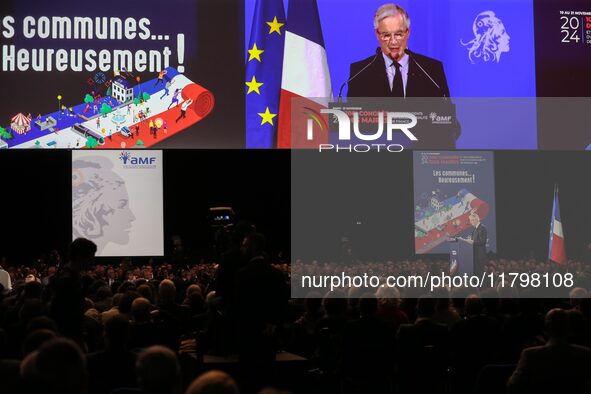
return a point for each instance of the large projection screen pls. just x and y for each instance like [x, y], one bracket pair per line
[117, 201]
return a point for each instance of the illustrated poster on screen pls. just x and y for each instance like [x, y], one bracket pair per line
[117, 201]
[448, 188]
[115, 75]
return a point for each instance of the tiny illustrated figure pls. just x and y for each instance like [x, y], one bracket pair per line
[184, 107]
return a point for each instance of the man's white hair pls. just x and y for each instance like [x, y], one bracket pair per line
[389, 296]
[388, 10]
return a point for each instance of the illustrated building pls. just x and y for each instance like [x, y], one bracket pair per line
[49, 123]
[436, 203]
[122, 89]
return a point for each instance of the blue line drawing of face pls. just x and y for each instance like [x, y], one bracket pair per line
[490, 39]
[100, 203]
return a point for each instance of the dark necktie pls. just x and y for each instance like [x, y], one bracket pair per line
[397, 87]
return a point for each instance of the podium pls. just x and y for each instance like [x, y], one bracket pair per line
[437, 124]
[461, 257]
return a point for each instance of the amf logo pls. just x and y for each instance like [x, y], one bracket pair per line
[130, 161]
[436, 119]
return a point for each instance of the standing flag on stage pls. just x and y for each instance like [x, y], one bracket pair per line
[556, 252]
[263, 73]
[305, 71]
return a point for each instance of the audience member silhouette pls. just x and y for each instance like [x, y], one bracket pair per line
[261, 300]
[474, 343]
[143, 330]
[213, 382]
[158, 371]
[113, 367]
[555, 367]
[389, 308]
[58, 367]
[67, 302]
[423, 350]
[368, 350]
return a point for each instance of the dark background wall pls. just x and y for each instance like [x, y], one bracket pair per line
[36, 198]
[368, 198]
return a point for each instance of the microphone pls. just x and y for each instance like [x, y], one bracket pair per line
[378, 51]
[411, 54]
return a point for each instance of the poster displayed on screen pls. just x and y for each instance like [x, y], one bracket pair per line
[121, 75]
[117, 201]
[450, 190]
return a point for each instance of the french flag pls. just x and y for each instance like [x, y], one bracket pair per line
[556, 252]
[305, 83]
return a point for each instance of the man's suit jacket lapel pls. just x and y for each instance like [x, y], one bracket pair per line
[418, 84]
[379, 68]
[411, 79]
[477, 234]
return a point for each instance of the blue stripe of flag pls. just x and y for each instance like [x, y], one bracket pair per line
[555, 215]
[556, 208]
[305, 21]
[267, 71]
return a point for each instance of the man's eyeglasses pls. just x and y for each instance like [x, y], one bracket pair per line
[387, 36]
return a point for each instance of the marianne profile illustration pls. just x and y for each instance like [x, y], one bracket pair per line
[490, 39]
[100, 203]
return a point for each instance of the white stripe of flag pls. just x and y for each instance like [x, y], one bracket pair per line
[305, 68]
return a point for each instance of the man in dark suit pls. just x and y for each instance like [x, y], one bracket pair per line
[368, 350]
[474, 342]
[391, 71]
[261, 297]
[394, 72]
[479, 238]
[423, 350]
[556, 367]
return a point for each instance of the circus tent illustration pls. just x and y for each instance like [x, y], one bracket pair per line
[20, 123]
